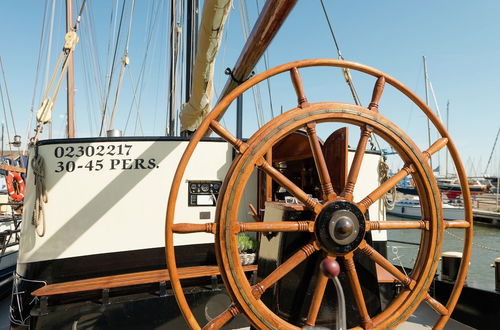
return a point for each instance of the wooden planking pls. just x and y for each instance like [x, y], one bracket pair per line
[383, 275]
[116, 281]
[12, 168]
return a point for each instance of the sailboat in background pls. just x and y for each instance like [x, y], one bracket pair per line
[13, 164]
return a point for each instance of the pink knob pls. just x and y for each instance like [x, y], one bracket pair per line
[330, 267]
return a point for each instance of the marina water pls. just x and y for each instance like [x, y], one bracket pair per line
[485, 248]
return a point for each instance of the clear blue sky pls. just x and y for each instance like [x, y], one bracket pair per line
[461, 40]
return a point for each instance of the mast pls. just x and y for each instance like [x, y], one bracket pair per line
[70, 78]
[427, 102]
[191, 42]
[173, 68]
[271, 18]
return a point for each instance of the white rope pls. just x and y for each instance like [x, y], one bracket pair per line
[38, 168]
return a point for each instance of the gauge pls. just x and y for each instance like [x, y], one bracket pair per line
[216, 186]
[205, 187]
[193, 187]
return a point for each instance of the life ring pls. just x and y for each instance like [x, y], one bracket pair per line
[15, 194]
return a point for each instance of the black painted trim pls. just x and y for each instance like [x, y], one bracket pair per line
[82, 267]
[124, 139]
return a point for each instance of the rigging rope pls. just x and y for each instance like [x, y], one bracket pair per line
[491, 154]
[347, 74]
[4, 113]
[125, 63]
[44, 114]
[37, 72]
[255, 89]
[8, 97]
[110, 81]
[383, 167]
[266, 65]
[137, 92]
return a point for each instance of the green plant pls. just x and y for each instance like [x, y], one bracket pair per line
[247, 244]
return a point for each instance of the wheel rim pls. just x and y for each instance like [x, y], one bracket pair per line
[231, 269]
[233, 276]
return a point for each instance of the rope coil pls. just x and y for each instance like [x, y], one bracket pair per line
[383, 174]
[38, 167]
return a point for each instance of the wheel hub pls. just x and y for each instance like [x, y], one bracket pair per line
[340, 227]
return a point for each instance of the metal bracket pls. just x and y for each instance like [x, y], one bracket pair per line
[163, 289]
[215, 282]
[44, 305]
[229, 72]
[105, 297]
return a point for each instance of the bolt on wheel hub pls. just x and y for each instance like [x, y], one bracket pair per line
[340, 227]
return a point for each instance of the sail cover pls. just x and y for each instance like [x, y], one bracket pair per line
[215, 13]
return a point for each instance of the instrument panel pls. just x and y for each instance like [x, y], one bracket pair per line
[203, 193]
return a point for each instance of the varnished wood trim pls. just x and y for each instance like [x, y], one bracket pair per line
[238, 144]
[319, 292]
[387, 265]
[12, 168]
[436, 305]
[289, 185]
[366, 132]
[282, 226]
[116, 281]
[299, 88]
[384, 188]
[377, 93]
[456, 224]
[435, 147]
[292, 262]
[387, 225]
[352, 276]
[185, 228]
[221, 319]
[319, 160]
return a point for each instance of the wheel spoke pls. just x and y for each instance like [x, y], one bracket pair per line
[377, 93]
[436, 305]
[384, 188]
[319, 292]
[352, 276]
[384, 225]
[435, 147]
[393, 181]
[292, 262]
[186, 228]
[366, 132]
[238, 144]
[299, 88]
[282, 226]
[222, 318]
[387, 265]
[456, 224]
[319, 160]
[289, 185]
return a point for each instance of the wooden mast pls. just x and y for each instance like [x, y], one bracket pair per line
[70, 128]
[271, 18]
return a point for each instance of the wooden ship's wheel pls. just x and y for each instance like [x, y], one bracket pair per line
[338, 225]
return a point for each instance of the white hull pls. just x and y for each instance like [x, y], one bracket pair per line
[414, 212]
[102, 202]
